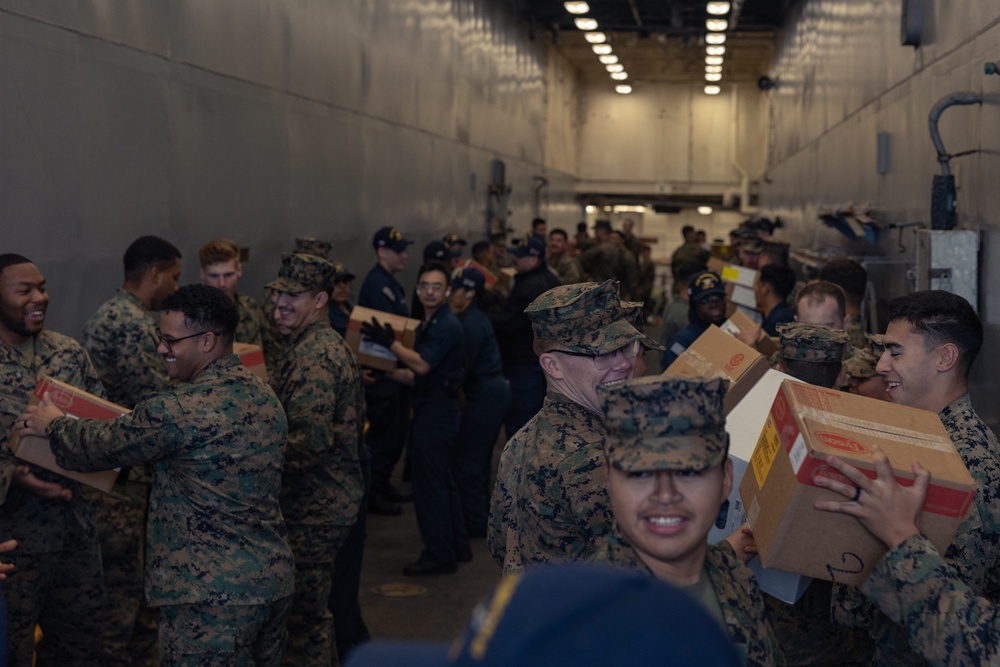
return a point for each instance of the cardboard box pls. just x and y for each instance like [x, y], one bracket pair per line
[252, 357]
[371, 354]
[717, 354]
[739, 320]
[507, 275]
[75, 403]
[740, 282]
[491, 280]
[805, 425]
[744, 425]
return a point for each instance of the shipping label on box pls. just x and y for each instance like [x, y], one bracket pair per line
[744, 425]
[369, 353]
[252, 357]
[717, 354]
[740, 320]
[807, 424]
[488, 277]
[75, 403]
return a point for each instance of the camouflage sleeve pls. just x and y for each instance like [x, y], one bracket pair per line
[967, 552]
[945, 621]
[147, 434]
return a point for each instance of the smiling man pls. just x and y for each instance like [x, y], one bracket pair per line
[667, 476]
[57, 579]
[932, 339]
[219, 568]
[318, 381]
[549, 503]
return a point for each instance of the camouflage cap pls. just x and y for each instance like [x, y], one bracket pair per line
[586, 318]
[665, 423]
[862, 363]
[301, 272]
[308, 245]
[811, 342]
[634, 314]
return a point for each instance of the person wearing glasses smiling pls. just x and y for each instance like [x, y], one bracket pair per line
[435, 368]
[549, 502]
[220, 568]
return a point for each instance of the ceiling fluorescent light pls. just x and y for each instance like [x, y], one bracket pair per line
[596, 37]
[590, 24]
[583, 7]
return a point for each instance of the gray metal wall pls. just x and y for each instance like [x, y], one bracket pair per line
[260, 120]
[843, 78]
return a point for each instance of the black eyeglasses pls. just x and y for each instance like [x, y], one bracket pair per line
[166, 340]
[603, 362]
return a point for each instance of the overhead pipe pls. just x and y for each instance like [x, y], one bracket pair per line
[962, 98]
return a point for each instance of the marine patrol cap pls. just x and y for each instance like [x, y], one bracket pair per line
[705, 284]
[665, 423]
[864, 360]
[308, 245]
[301, 272]
[586, 318]
[469, 279]
[391, 238]
[634, 314]
[340, 273]
[533, 247]
[811, 342]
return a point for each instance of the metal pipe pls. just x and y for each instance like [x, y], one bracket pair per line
[942, 104]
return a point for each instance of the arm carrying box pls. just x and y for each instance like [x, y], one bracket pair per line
[806, 424]
[371, 354]
[75, 403]
[717, 354]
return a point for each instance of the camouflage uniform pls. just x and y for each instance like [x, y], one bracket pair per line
[945, 621]
[856, 333]
[600, 262]
[862, 361]
[121, 340]
[567, 268]
[658, 423]
[549, 503]
[57, 582]
[815, 343]
[319, 383]
[252, 324]
[215, 535]
[974, 554]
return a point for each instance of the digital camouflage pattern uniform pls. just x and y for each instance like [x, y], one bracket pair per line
[856, 333]
[974, 554]
[252, 324]
[318, 381]
[944, 619]
[549, 502]
[121, 340]
[863, 360]
[804, 629]
[57, 582]
[567, 268]
[666, 423]
[215, 538]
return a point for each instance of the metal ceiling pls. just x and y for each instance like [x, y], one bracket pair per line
[662, 41]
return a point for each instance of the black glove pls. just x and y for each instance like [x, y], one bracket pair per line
[380, 334]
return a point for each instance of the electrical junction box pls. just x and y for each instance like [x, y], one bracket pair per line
[949, 261]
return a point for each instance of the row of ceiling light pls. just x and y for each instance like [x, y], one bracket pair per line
[599, 43]
[715, 42]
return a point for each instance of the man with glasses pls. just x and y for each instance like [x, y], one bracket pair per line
[219, 569]
[549, 503]
[121, 340]
[707, 299]
[318, 381]
[435, 369]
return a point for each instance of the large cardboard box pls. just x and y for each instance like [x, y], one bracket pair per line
[717, 354]
[252, 357]
[75, 403]
[371, 354]
[744, 425]
[740, 321]
[806, 424]
[488, 277]
[507, 276]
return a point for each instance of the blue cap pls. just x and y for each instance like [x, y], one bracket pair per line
[469, 279]
[533, 247]
[705, 284]
[572, 614]
[436, 251]
[391, 238]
